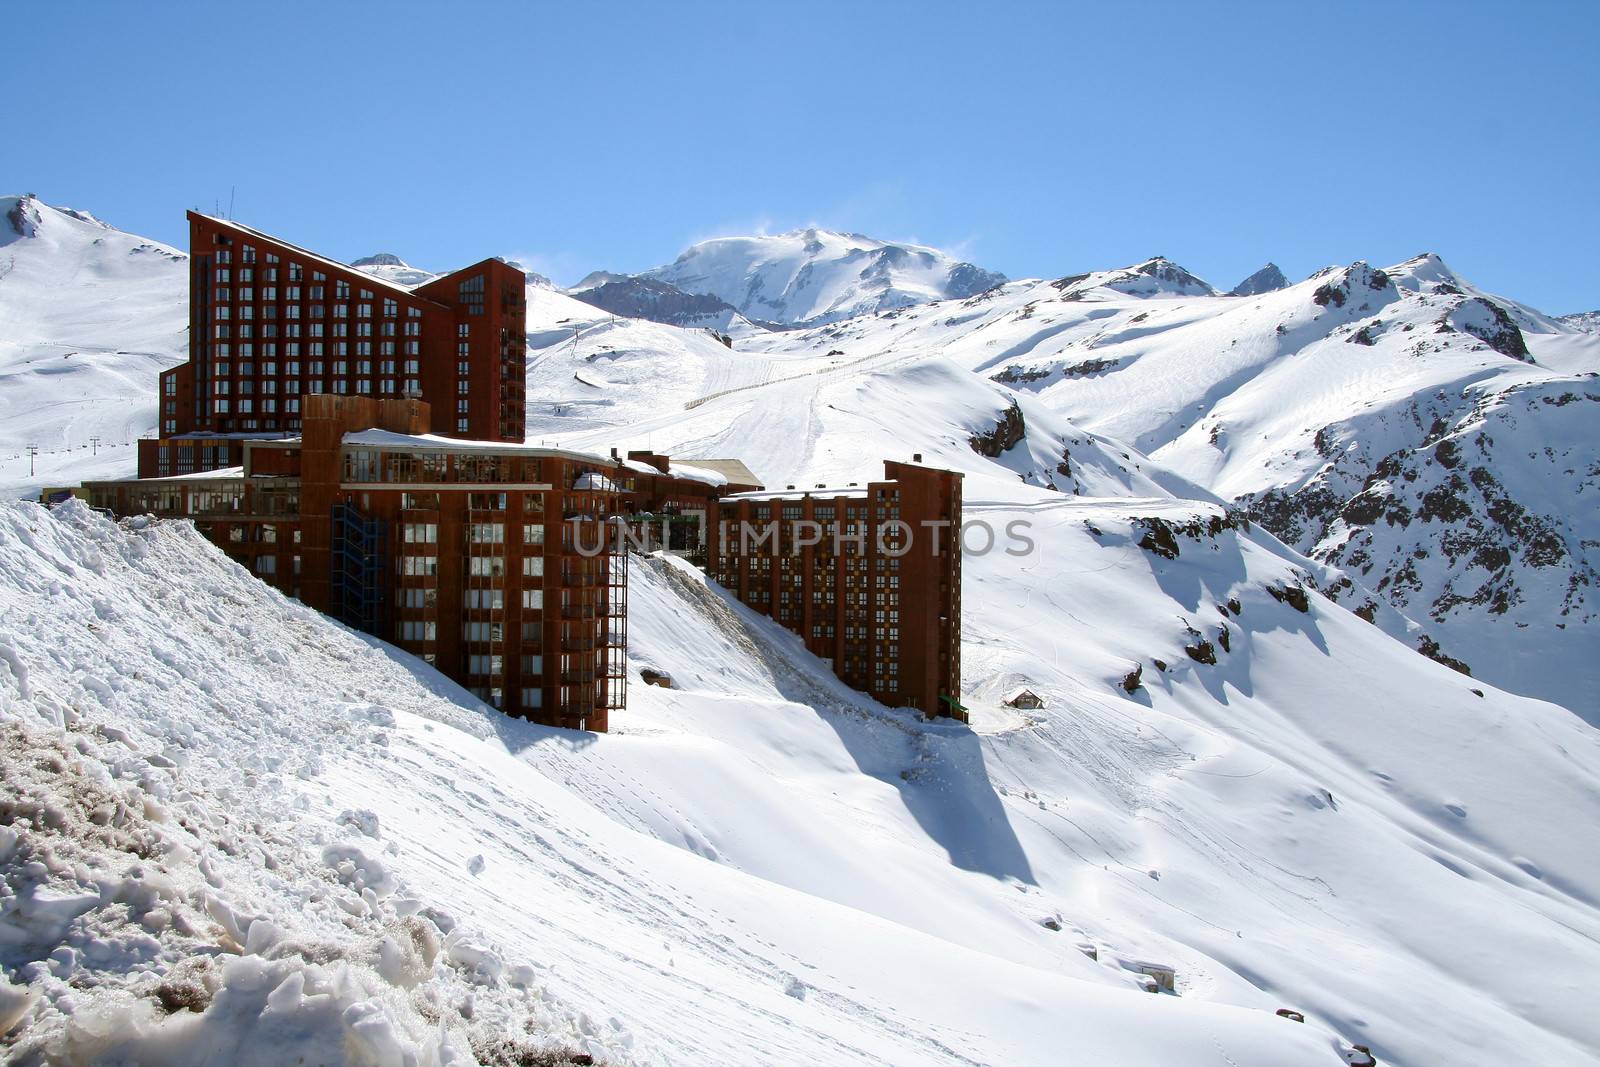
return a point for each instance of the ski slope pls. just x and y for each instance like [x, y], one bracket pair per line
[89, 316]
[1321, 407]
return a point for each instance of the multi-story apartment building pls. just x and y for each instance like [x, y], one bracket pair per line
[503, 565]
[270, 322]
[298, 438]
[869, 576]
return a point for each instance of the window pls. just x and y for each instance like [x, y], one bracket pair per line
[486, 501]
[471, 294]
[481, 631]
[418, 631]
[421, 533]
[532, 699]
[486, 533]
[533, 566]
[533, 535]
[486, 566]
[532, 664]
[419, 566]
[533, 599]
[418, 599]
[486, 599]
[266, 565]
[484, 665]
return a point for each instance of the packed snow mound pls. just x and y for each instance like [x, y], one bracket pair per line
[813, 276]
[1268, 279]
[89, 316]
[237, 832]
[176, 886]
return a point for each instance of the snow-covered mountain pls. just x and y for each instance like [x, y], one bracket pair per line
[658, 301]
[391, 268]
[89, 316]
[1266, 280]
[1312, 404]
[341, 856]
[1587, 321]
[814, 276]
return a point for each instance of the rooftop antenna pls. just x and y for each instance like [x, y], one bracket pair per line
[231, 190]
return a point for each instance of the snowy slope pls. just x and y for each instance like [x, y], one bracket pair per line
[1292, 401]
[812, 276]
[89, 316]
[397, 876]
[763, 866]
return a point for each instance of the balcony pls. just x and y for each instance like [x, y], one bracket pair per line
[578, 611]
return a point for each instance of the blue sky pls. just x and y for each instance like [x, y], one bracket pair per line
[1035, 139]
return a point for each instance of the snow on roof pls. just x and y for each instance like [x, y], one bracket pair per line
[430, 442]
[697, 474]
[822, 493]
[220, 474]
[732, 470]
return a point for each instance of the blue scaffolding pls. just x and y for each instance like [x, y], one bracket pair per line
[357, 571]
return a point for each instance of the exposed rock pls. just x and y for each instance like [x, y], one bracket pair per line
[1266, 280]
[657, 301]
[1131, 680]
[1292, 595]
[1499, 332]
[1018, 375]
[1007, 432]
[1201, 652]
[1430, 648]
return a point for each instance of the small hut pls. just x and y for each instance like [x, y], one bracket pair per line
[1026, 699]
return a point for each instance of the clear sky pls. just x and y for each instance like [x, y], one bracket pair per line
[1034, 139]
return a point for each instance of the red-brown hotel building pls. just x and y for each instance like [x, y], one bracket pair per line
[487, 557]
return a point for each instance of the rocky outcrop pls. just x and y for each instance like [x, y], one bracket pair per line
[1491, 324]
[1007, 432]
[1131, 682]
[657, 301]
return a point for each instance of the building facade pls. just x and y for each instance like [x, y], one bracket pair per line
[359, 445]
[869, 577]
[270, 323]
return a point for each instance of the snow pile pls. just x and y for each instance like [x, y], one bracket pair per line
[172, 892]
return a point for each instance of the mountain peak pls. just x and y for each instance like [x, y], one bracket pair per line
[380, 259]
[811, 276]
[1266, 280]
